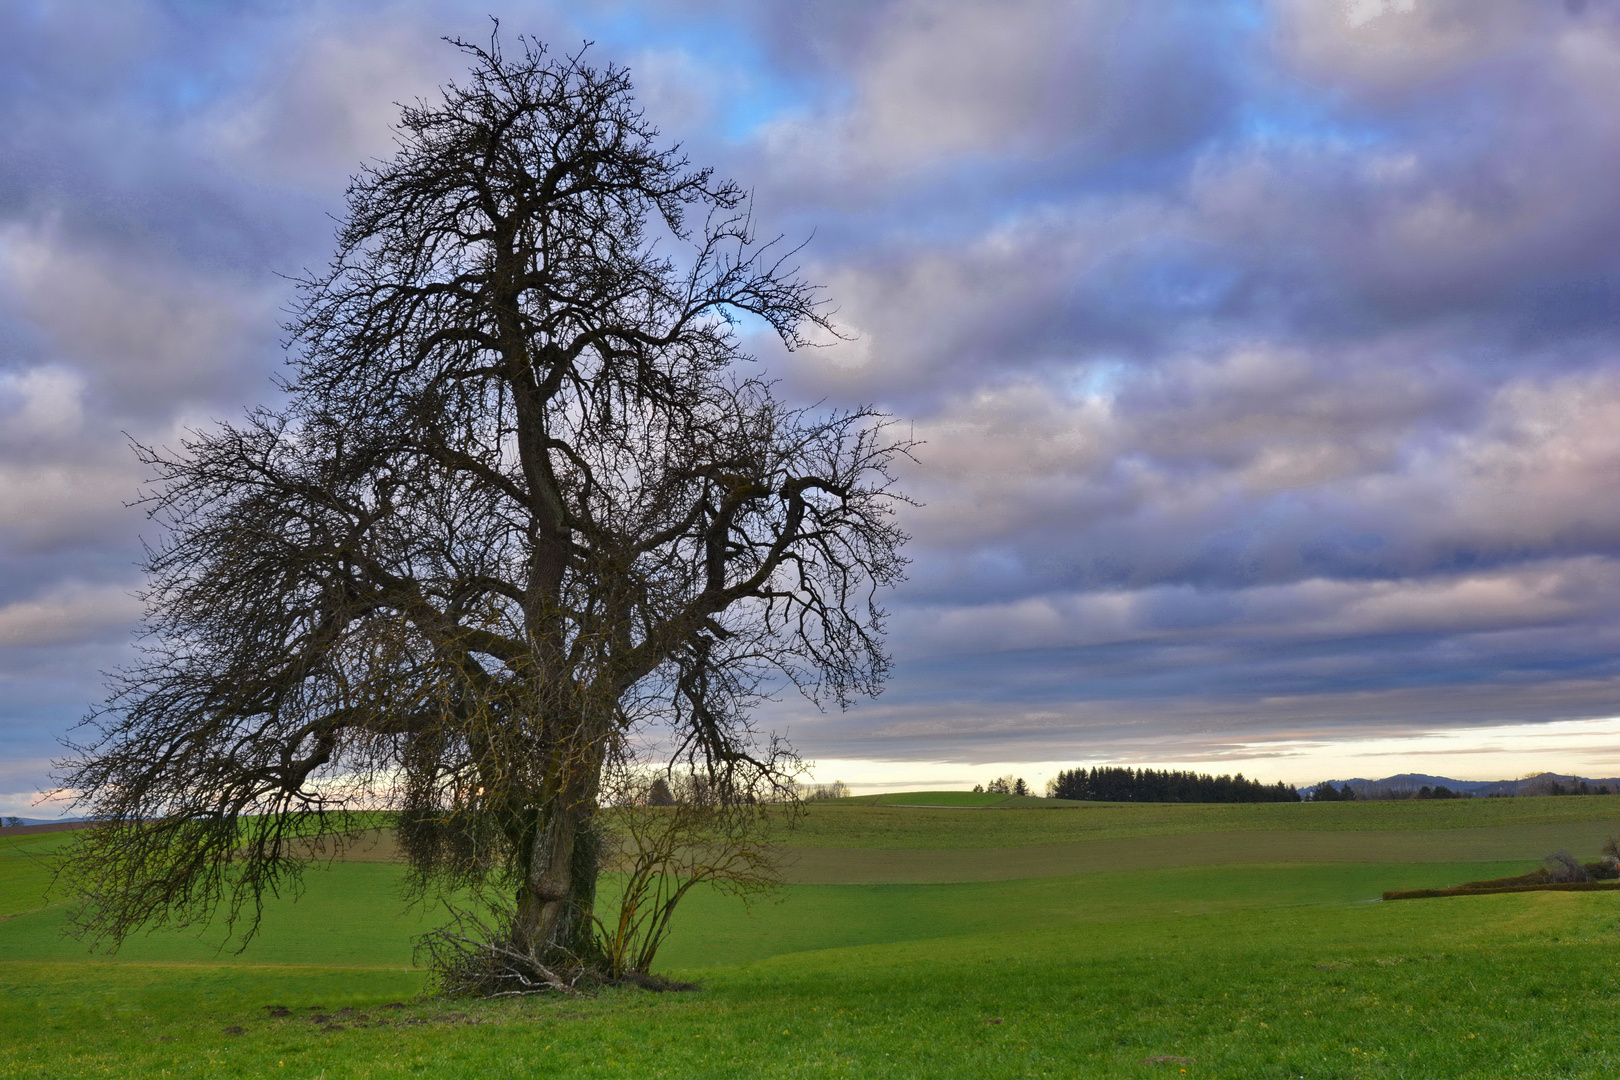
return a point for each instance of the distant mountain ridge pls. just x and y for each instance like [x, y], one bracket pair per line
[1540, 783]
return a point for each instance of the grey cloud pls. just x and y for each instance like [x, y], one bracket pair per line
[328, 100]
[70, 614]
[951, 715]
[147, 334]
[1405, 51]
[1052, 290]
[1491, 223]
[1001, 88]
[1316, 406]
[48, 506]
[1321, 472]
[1570, 593]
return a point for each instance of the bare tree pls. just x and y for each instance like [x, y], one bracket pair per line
[827, 792]
[1562, 867]
[523, 507]
[701, 837]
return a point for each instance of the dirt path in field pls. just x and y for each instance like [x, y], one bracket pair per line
[876, 866]
[49, 827]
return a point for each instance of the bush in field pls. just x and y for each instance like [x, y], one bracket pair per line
[825, 792]
[705, 837]
[1609, 865]
[1563, 869]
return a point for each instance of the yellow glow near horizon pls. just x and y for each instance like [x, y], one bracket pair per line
[1579, 747]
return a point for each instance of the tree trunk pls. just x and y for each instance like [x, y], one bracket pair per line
[554, 904]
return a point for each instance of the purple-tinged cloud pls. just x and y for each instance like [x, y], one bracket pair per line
[1266, 357]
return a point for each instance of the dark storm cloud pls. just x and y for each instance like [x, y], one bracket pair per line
[1266, 355]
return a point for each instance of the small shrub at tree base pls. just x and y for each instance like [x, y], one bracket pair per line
[712, 835]
[706, 834]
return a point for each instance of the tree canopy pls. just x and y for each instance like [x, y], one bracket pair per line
[526, 504]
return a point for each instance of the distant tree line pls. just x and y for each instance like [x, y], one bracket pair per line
[1544, 784]
[1552, 785]
[1326, 792]
[1004, 785]
[1113, 784]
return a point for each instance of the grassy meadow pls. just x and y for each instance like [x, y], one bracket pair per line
[967, 940]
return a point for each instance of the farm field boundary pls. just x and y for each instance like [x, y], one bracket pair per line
[851, 824]
[874, 865]
[827, 865]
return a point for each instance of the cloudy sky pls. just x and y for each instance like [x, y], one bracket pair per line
[1266, 353]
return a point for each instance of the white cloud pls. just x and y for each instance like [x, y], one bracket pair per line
[69, 614]
[1389, 45]
[932, 83]
[42, 403]
[142, 332]
[329, 101]
[50, 504]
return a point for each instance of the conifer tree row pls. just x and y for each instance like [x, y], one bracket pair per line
[1114, 784]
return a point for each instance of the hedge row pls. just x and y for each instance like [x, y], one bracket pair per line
[1476, 890]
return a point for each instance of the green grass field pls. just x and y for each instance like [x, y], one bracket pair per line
[850, 823]
[1263, 957]
[973, 800]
